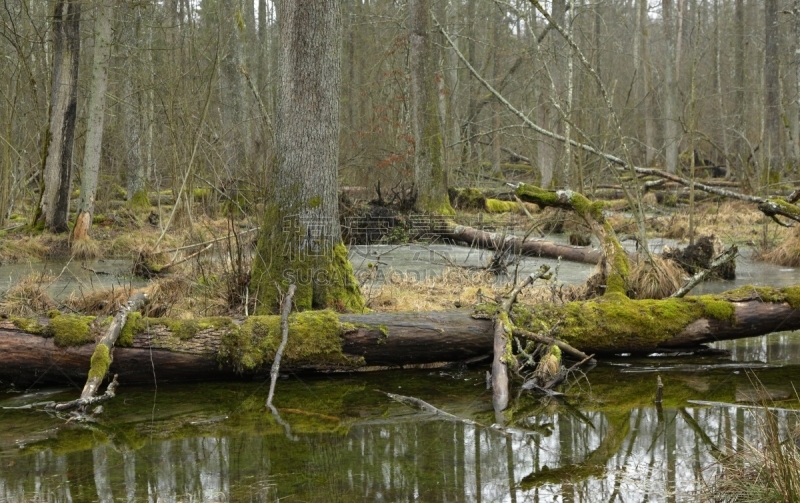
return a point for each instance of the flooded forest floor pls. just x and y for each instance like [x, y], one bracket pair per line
[343, 440]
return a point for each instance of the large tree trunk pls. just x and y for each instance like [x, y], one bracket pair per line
[135, 172]
[430, 177]
[94, 126]
[301, 239]
[217, 348]
[63, 112]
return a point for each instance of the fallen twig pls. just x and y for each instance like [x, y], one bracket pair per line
[276, 363]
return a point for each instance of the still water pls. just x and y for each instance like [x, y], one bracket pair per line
[348, 442]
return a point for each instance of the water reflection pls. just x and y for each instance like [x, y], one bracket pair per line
[352, 444]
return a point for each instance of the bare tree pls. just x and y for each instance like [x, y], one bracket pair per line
[94, 127]
[63, 113]
[301, 239]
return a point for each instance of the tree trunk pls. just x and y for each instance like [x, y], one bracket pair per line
[94, 126]
[63, 112]
[430, 177]
[301, 239]
[772, 106]
[232, 87]
[672, 138]
[134, 171]
[216, 348]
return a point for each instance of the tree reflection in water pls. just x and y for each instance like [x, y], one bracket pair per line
[359, 447]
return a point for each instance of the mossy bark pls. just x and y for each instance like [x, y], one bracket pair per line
[300, 239]
[430, 175]
[615, 263]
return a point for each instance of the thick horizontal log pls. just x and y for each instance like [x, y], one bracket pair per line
[222, 348]
[368, 342]
[528, 247]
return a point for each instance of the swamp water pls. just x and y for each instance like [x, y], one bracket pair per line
[350, 443]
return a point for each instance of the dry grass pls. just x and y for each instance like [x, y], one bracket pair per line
[86, 249]
[787, 253]
[767, 472]
[732, 221]
[655, 279]
[98, 302]
[27, 297]
[453, 288]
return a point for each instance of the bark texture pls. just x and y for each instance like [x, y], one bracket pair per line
[94, 126]
[301, 238]
[430, 177]
[63, 112]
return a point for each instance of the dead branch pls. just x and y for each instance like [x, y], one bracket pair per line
[276, 364]
[725, 257]
[563, 346]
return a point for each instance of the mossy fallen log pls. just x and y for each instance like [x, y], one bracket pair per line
[219, 348]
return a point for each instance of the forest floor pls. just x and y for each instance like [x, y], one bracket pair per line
[218, 278]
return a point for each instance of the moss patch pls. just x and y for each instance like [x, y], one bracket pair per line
[616, 323]
[314, 340]
[498, 206]
[28, 325]
[101, 360]
[790, 295]
[133, 325]
[70, 330]
[139, 200]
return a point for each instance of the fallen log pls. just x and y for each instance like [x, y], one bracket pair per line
[223, 348]
[528, 247]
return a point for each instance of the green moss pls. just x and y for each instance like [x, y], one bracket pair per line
[139, 200]
[101, 360]
[202, 193]
[70, 330]
[467, 198]
[28, 325]
[615, 323]
[718, 309]
[133, 325]
[119, 192]
[314, 340]
[315, 202]
[498, 206]
[342, 293]
[617, 280]
[790, 295]
[323, 279]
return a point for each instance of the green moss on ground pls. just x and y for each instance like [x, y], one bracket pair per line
[498, 206]
[314, 340]
[101, 360]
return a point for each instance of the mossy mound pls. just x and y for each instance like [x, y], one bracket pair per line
[314, 341]
[69, 330]
[498, 206]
